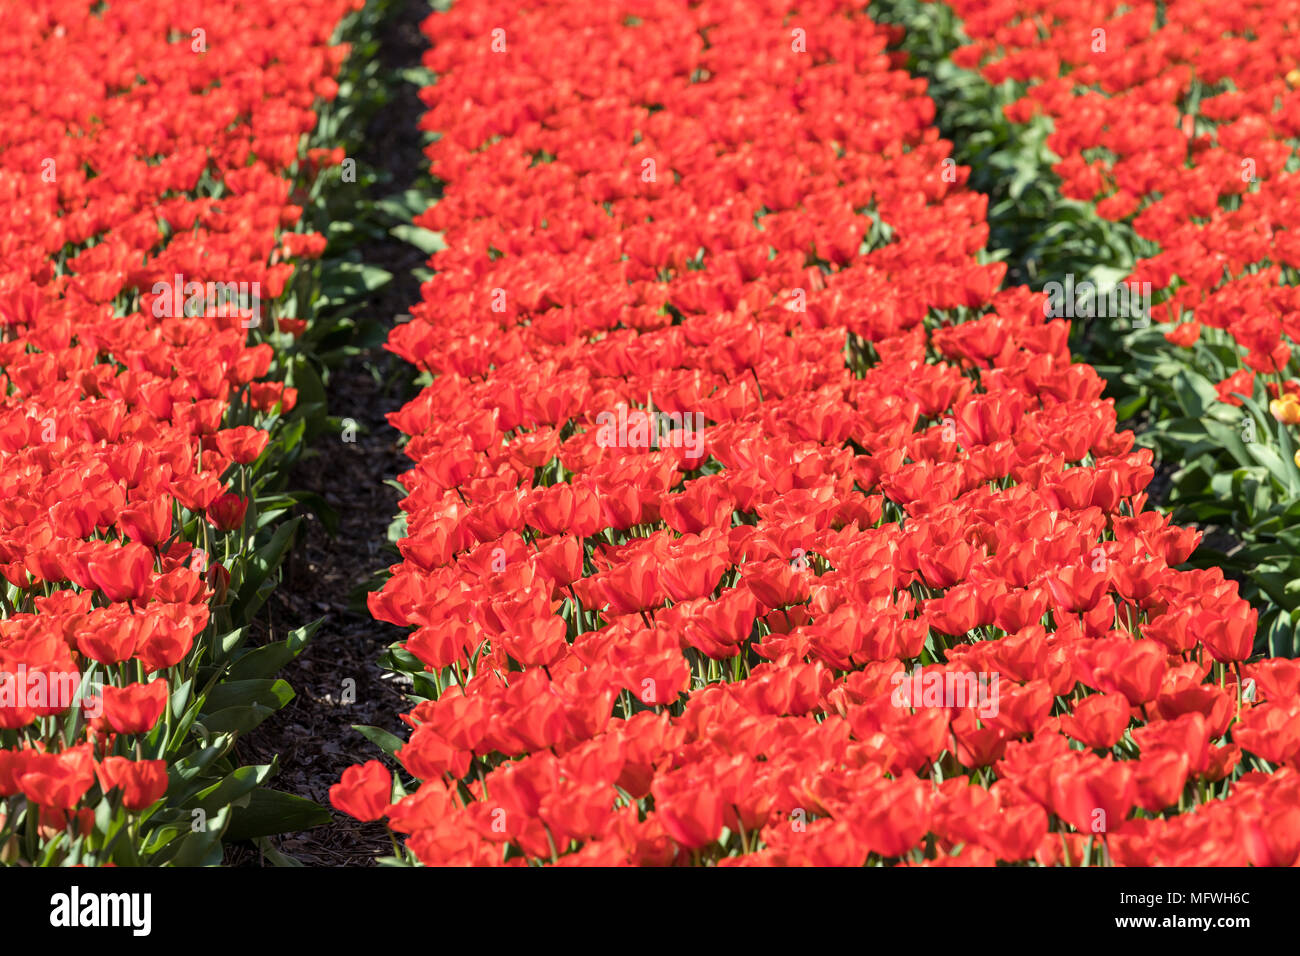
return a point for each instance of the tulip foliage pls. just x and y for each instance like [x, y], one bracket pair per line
[148, 158]
[752, 521]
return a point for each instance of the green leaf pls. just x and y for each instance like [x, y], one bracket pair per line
[264, 661]
[311, 392]
[1230, 438]
[1194, 393]
[243, 693]
[343, 281]
[319, 507]
[275, 856]
[202, 848]
[237, 720]
[388, 743]
[272, 811]
[230, 788]
[1278, 467]
[259, 567]
[225, 645]
[426, 240]
[404, 206]
[419, 75]
[1286, 450]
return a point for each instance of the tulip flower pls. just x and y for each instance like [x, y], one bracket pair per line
[365, 791]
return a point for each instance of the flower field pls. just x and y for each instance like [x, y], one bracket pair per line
[738, 643]
[832, 434]
[145, 412]
[1205, 201]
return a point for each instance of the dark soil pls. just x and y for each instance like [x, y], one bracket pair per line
[326, 575]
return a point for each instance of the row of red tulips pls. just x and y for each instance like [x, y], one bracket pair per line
[1181, 122]
[145, 175]
[751, 522]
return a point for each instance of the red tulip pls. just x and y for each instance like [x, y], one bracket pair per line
[1095, 796]
[142, 782]
[227, 512]
[136, 708]
[149, 523]
[365, 791]
[122, 574]
[692, 816]
[58, 781]
[242, 445]
[1098, 721]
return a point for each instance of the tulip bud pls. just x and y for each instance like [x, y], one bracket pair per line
[227, 512]
[217, 578]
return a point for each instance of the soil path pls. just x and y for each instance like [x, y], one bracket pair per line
[313, 735]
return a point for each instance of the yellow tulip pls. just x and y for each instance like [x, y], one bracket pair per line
[1286, 409]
